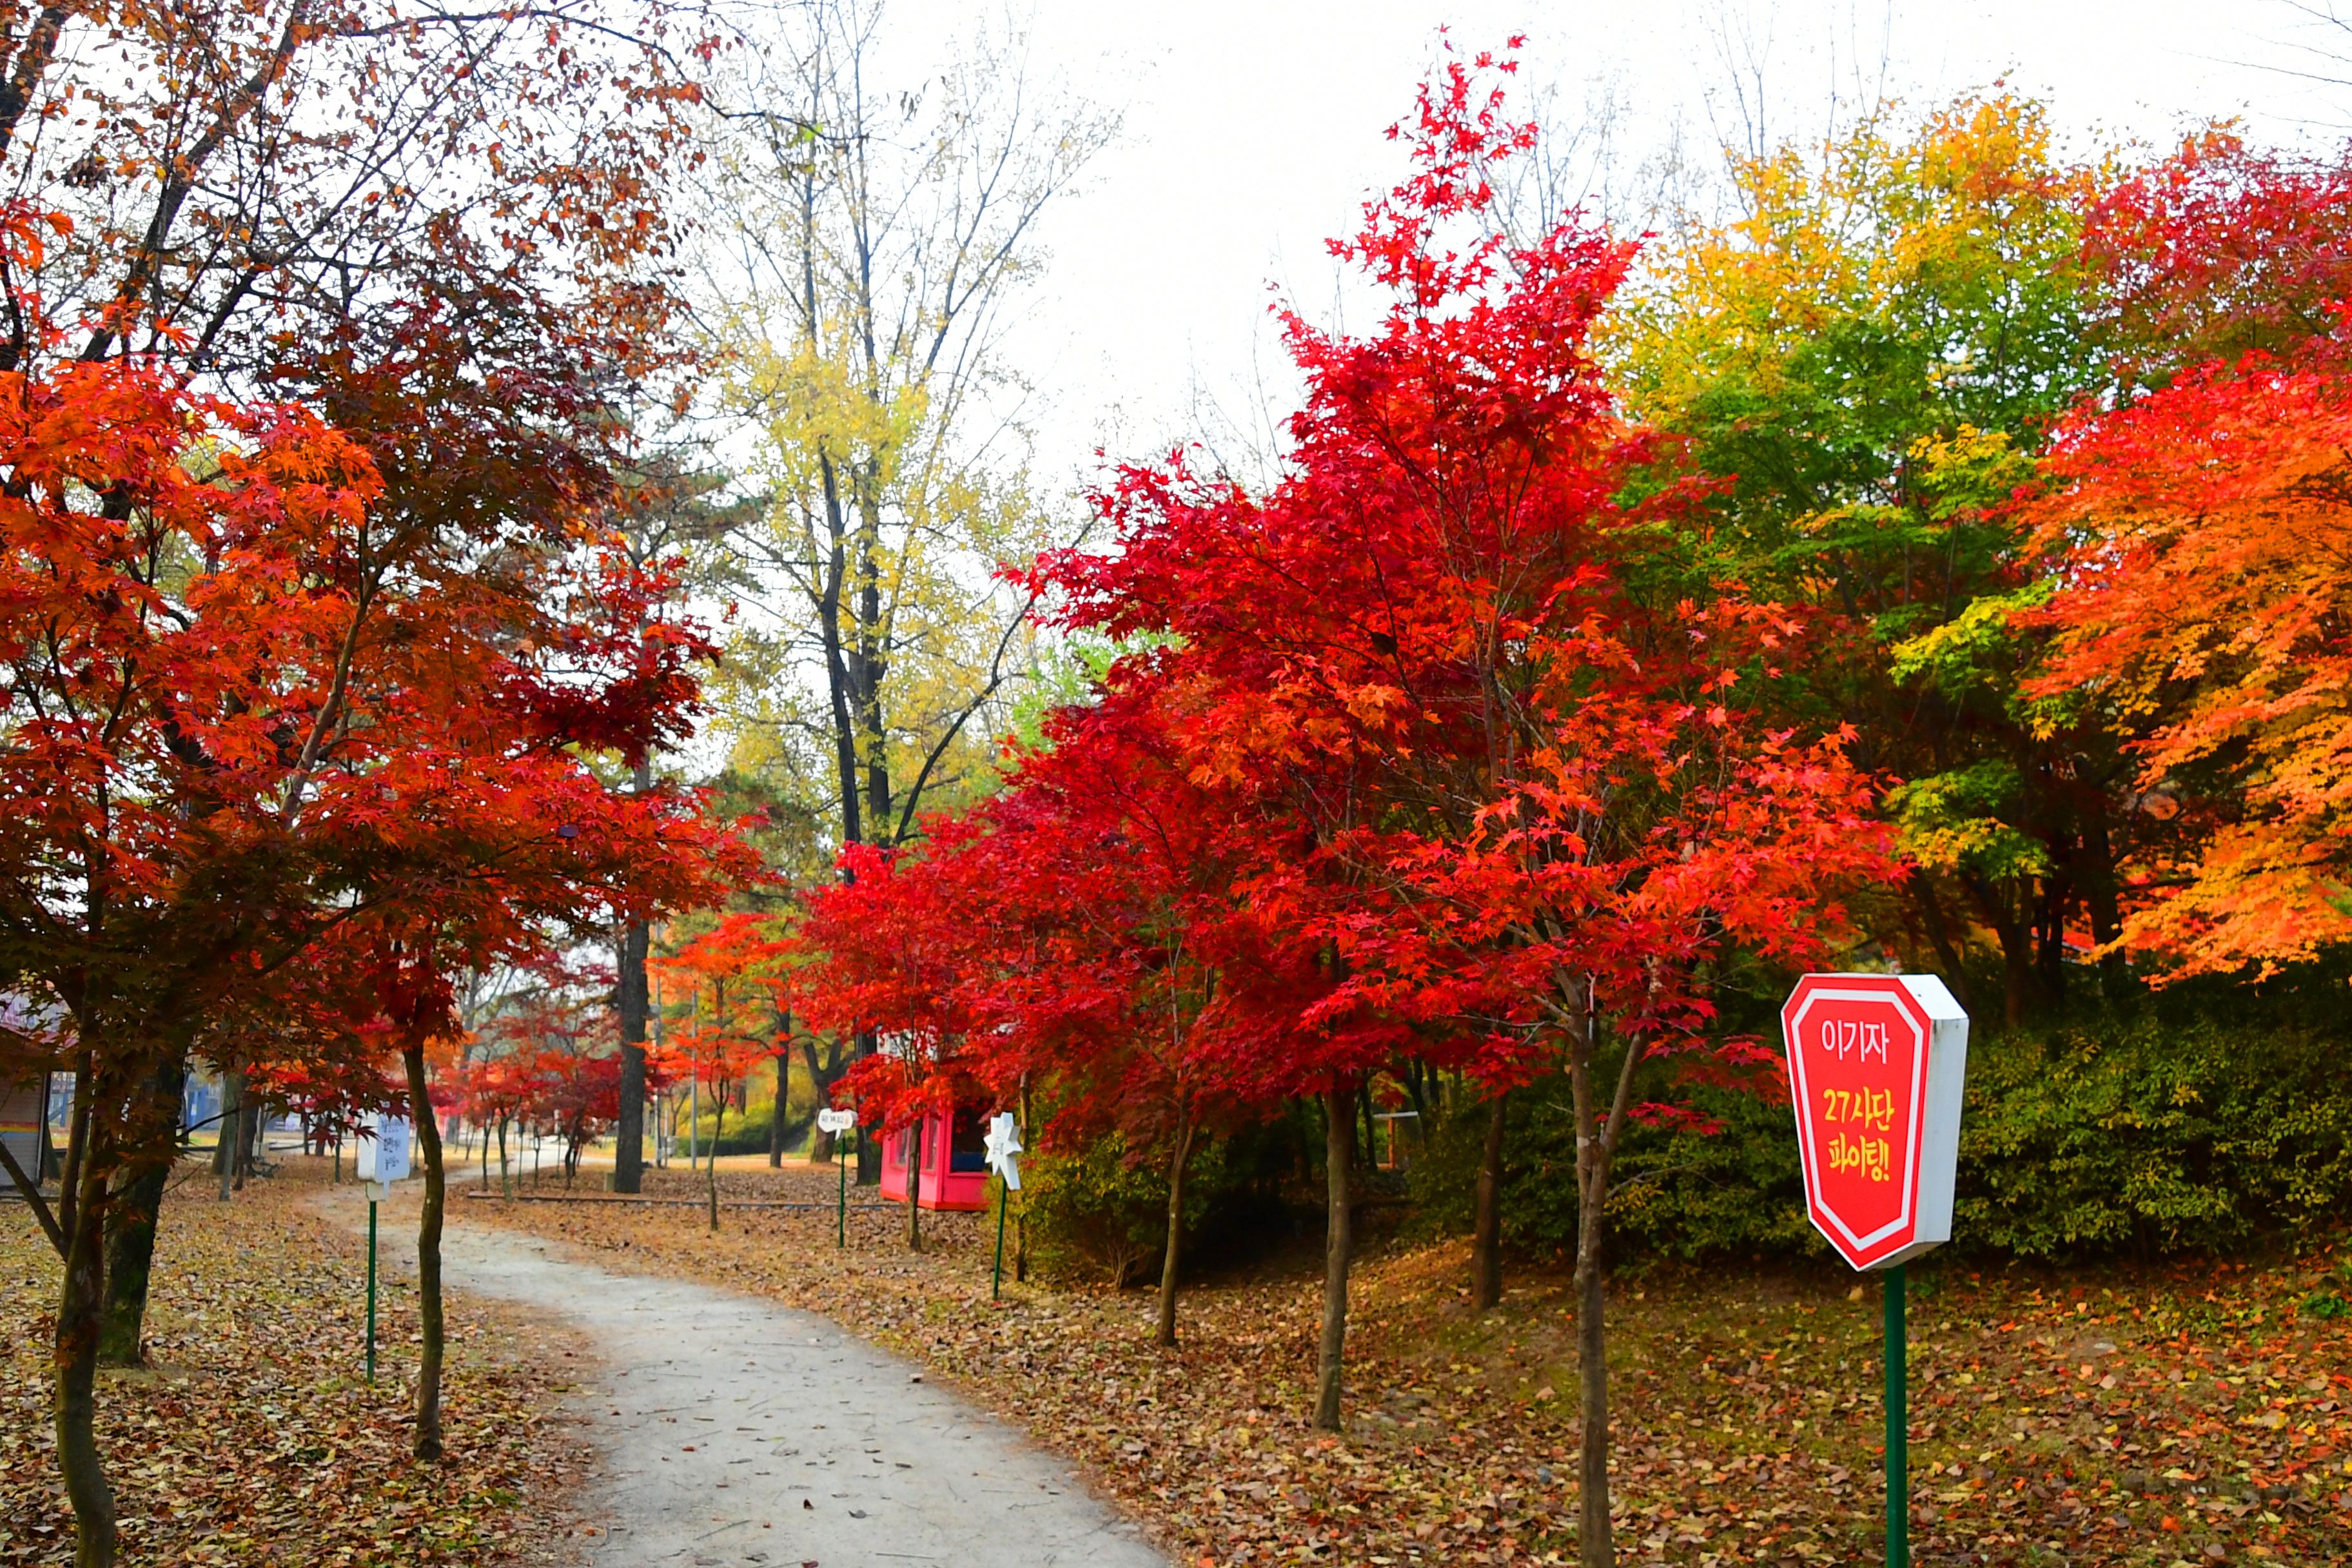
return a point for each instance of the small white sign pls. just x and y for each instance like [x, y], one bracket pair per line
[383, 1155]
[1003, 1144]
[835, 1121]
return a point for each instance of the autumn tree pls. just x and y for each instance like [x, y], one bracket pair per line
[871, 243]
[2204, 531]
[1866, 358]
[1509, 744]
[730, 1019]
[291, 201]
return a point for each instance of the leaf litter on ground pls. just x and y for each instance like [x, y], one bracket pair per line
[252, 1436]
[2191, 1413]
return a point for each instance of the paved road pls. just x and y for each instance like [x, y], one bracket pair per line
[738, 1432]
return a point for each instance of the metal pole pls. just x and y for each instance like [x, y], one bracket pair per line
[370, 1329]
[997, 1288]
[841, 1171]
[1898, 1430]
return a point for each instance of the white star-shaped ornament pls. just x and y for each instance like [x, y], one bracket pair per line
[1003, 1144]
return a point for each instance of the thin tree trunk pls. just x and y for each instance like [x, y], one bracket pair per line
[232, 1115]
[717, 1132]
[784, 1099]
[1338, 1148]
[870, 1150]
[2099, 898]
[914, 1187]
[426, 1444]
[1595, 1544]
[255, 1120]
[1486, 1232]
[1171, 1256]
[632, 999]
[80, 1305]
[1596, 1145]
[1939, 934]
[132, 1214]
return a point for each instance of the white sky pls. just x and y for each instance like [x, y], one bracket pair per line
[1253, 129]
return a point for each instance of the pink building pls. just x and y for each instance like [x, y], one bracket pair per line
[954, 1174]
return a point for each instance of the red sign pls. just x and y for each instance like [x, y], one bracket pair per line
[1877, 1065]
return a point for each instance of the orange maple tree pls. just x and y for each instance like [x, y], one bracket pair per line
[2206, 534]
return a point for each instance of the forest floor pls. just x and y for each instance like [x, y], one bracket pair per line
[253, 1437]
[2191, 1413]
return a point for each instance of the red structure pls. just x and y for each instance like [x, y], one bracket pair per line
[952, 1156]
[1876, 1067]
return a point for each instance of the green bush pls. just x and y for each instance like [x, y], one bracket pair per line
[747, 1132]
[1097, 1214]
[2139, 1134]
[2150, 1136]
[1678, 1192]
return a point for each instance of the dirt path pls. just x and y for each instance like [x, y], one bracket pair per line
[736, 1432]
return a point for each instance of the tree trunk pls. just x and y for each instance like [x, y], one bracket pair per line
[2099, 898]
[633, 997]
[870, 1150]
[1486, 1233]
[132, 1211]
[1339, 1147]
[253, 1123]
[718, 1130]
[784, 1099]
[1596, 1147]
[914, 1187]
[1595, 1545]
[1940, 935]
[2015, 936]
[231, 1122]
[426, 1444]
[74, 1351]
[1171, 1256]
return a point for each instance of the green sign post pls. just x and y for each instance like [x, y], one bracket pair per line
[835, 1123]
[1898, 1429]
[1877, 1064]
[382, 1160]
[371, 1329]
[1003, 1146]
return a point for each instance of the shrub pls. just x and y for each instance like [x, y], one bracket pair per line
[2152, 1136]
[1096, 1213]
[2142, 1134]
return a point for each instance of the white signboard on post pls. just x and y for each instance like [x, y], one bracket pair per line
[1003, 1149]
[835, 1121]
[383, 1153]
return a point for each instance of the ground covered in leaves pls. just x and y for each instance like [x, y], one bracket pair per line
[2198, 1415]
[253, 1436]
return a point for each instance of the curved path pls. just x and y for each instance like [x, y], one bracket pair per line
[738, 1432]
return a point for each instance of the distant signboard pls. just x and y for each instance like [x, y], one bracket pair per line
[1877, 1065]
[22, 1110]
[383, 1155]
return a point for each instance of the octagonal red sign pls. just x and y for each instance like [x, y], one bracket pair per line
[1876, 1067]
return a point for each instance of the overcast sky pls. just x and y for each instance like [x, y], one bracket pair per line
[1252, 129]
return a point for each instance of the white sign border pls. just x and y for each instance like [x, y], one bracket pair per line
[1929, 1183]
